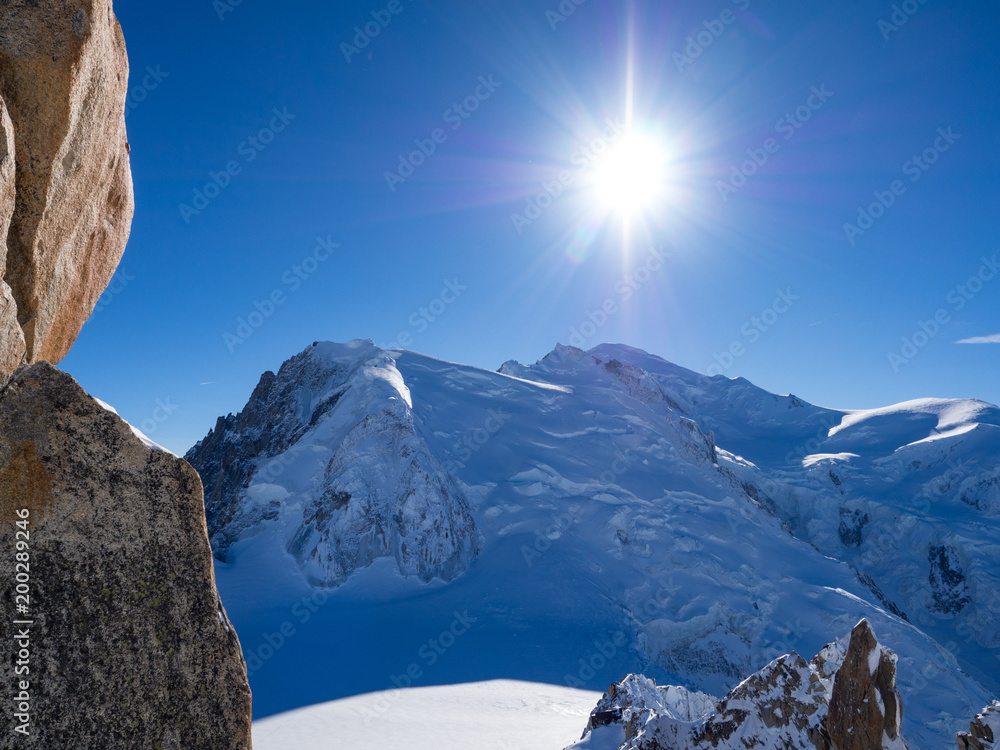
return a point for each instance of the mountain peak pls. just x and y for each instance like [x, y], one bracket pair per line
[846, 698]
[703, 525]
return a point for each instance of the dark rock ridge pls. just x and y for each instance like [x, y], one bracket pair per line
[984, 730]
[947, 581]
[844, 699]
[268, 426]
[131, 646]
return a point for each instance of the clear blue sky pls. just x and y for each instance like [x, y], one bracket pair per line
[713, 83]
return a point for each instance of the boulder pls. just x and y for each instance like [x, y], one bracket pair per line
[129, 645]
[11, 337]
[64, 78]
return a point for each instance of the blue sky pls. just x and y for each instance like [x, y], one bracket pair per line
[264, 138]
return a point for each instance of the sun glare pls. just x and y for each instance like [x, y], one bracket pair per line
[629, 179]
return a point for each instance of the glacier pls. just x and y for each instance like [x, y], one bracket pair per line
[597, 514]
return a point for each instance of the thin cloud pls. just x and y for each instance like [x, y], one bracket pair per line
[981, 340]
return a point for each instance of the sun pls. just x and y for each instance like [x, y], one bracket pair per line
[629, 179]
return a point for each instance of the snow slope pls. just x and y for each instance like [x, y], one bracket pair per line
[495, 715]
[384, 518]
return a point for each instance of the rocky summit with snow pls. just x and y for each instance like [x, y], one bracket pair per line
[596, 514]
[845, 698]
[984, 730]
[382, 492]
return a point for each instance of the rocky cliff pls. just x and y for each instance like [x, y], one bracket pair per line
[844, 699]
[63, 82]
[128, 643]
[11, 337]
[115, 636]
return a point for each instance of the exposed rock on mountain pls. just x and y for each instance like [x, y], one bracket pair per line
[947, 582]
[865, 708]
[327, 454]
[130, 645]
[11, 336]
[689, 522]
[64, 78]
[845, 699]
[984, 730]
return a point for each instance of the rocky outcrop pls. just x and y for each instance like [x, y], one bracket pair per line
[844, 699]
[865, 708]
[11, 337]
[984, 730]
[129, 643]
[636, 700]
[118, 634]
[64, 79]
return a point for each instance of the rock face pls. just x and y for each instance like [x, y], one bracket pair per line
[64, 79]
[845, 699]
[130, 645]
[864, 705]
[11, 336]
[984, 730]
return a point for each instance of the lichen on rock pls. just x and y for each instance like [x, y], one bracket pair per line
[131, 646]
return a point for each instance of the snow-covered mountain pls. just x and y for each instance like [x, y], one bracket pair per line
[845, 698]
[594, 514]
[382, 493]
